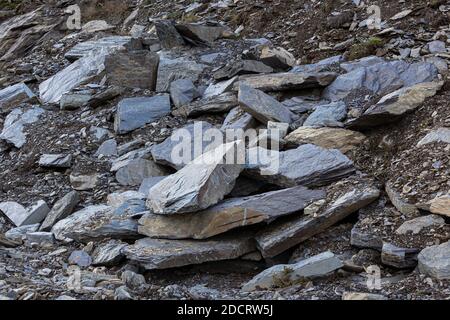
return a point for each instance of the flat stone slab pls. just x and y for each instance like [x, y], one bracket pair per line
[328, 138]
[198, 34]
[22, 216]
[435, 261]
[137, 170]
[229, 214]
[415, 226]
[441, 135]
[163, 254]
[134, 113]
[83, 49]
[237, 119]
[55, 160]
[280, 236]
[329, 115]
[14, 95]
[217, 104]
[61, 209]
[308, 165]
[262, 106]
[199, 185]
[287, 81]
[400, 258]
[241, 67]
[170, 153]
[109, 253]
[287, 274]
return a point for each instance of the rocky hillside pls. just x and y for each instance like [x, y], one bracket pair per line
[343, 188]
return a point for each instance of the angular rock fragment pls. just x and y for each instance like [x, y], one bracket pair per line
[262, 106]
[163, 254]
[86, 48]
[440, 205]
[287, 274]
[168, 34]
[280, 236]
[241, 67]
[277, 58]
[99, 222]
[219, 88]
[133, 113]
[361, 296]
[132, 69]
[21, 216]
[109, 253]
[238, 119]
[55, 160]
[137, 170]
[217, 104]
[148, 183]
[202, 183]
[41, 238]
[80, 258]
[401, 205]
[415, 226]
[321, 66]
[117, 199]
[107, 148]
[75, 100]
[364, 239]
[327, 115]
[229, 214]
[329, 138]
[171, 69]
[179, 149]
[83, 182]
[401, 258]
[287, 81]
[308, 165]
[61, 209]
[392, 106]
[15, 122]
[14, 95]
[438, 135]
[18, 234]
[434, 261]
[198, 34]
[182, 92]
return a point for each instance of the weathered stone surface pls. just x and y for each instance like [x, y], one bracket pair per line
[241, 67]
[436, 47]
[99, 222]
[287, 81]
[400, 204]
[280, 236]
[170, 152]
[327, 115]
[198, 34]
[438, 135]
[86, 48]
[286, 274]
[229, 214]
[81, 71]
[379, 77]
[435, 261]
[400, 258]
[202, 183]
[308, 165]
[41, 238]
[322, 65]
[415, 226]
[15, 122]
[148, 183]
[83, 182]
[137, 170]
[109, 253]
[217, 104]
[61, 209]
[80, 258]
[55, 160]
[329, 138]
[362, 296]
[21, 216]
[277, 58]
[133, 113]
[392, 106]
[14, 95]
[440, 205]
[262, 106]
[171, 69]
[168, 34]
[182, 92]
[163, 254]
[132, 69]
[364, 239]
[18, 234]
[107, 148]
[238, 119]
[96, 26]
[219, 88]
[75, 100]
[117, 199]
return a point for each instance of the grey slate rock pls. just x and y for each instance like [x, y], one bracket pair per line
[328, 115]
[308, 165]
[61, 209]
[438, 135]
[133, 113]
[199, 185]
[262, 106]
[19, 233]
[198, 34]
[314, 267]
[21, 216]
[15, 122]
[320, 66]
[434, 261]
[237, 118]
[83, 49]
[168, 34]
[241, 67]
[14, 95]
[107, 148]
[41, 238]
[148, 183]
[109, 253]
[415, 226]
[436, 47]
[400, 258]
[80, 258]
[216, 104]
[137, 170]
[183, 92]
[162, 153]
[163, 254]
[55, 161]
